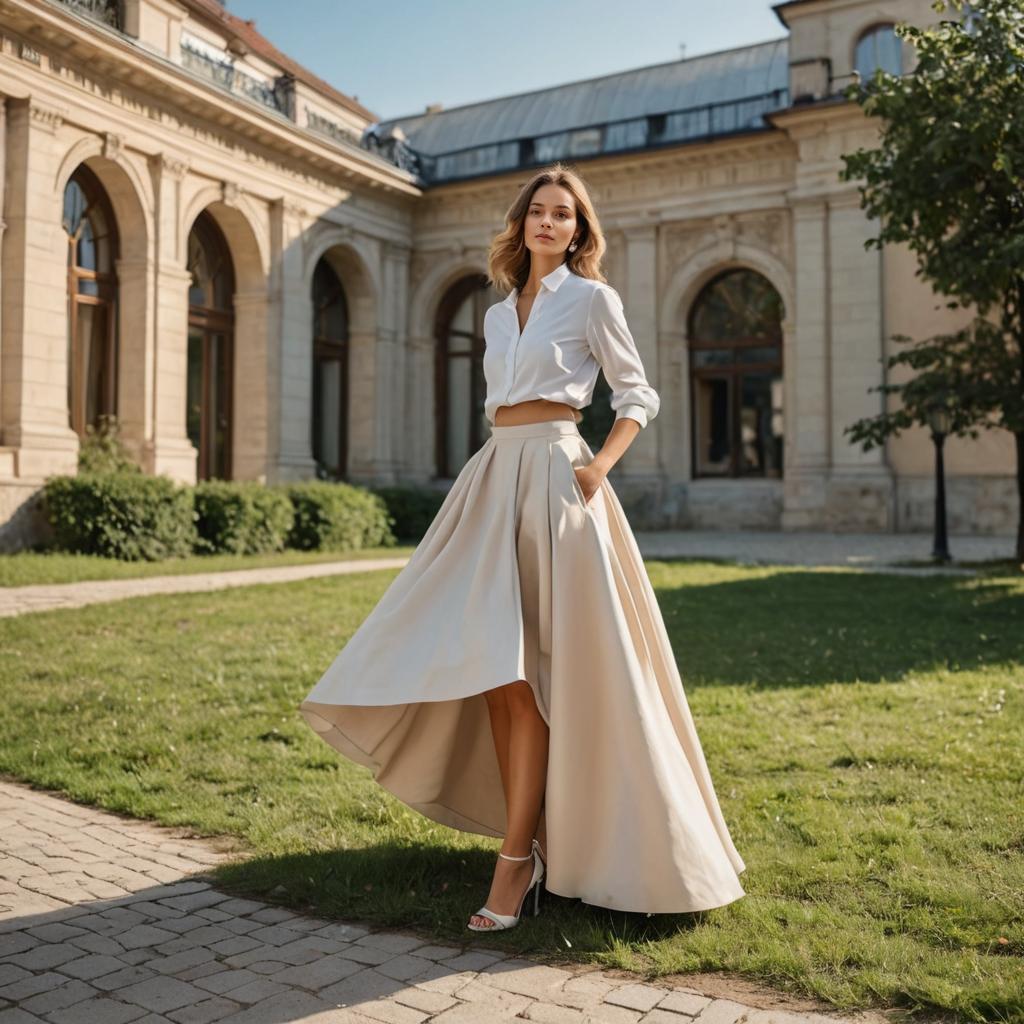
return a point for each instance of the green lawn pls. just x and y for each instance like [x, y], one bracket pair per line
[864, 732]
[29, 567]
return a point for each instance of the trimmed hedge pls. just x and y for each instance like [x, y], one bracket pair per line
[413, 509]
[125, 514]
[338, 516]
[112, 509]
[241, 517]
[136, 517]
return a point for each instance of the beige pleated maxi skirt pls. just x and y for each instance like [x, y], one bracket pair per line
[518, 578]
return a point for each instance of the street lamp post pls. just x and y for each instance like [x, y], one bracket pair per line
[939, 421]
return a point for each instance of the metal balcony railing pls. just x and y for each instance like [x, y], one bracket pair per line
[107, 12]
[224, 74]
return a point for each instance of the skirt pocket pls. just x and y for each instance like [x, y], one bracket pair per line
[576, 458]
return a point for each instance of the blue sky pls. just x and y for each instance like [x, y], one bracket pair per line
[397, 56]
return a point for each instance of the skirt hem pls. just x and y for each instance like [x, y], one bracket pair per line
[660, 909]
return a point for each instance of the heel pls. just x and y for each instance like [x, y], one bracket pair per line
[504, 921]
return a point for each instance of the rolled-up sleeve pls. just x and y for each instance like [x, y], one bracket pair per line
[613, 346]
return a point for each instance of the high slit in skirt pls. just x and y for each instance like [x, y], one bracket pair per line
[519, 578]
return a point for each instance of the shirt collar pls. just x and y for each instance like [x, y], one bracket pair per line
[550, 281]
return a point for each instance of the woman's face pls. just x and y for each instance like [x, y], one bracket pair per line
[551, 213]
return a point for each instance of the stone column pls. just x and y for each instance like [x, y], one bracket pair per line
[250, 424]
[419, 460]
[640, 301]
[391, 361]
[135, 323]
[169, 449]
[806, 367]
[290, 392]
[861, 490]
[34, 415]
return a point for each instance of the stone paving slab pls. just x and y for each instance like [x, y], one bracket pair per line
[870, 551]
[152, 948]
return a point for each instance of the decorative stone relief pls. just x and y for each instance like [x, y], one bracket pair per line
[173, 167]
[46, 117]
[113, 146]
[420, 263]
[766, 231]
[396, 251]
[295, 211]
[681, 241]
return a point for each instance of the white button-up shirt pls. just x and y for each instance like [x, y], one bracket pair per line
[576, 327]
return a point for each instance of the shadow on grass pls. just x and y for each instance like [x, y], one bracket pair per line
[440, 888]
[795, 627]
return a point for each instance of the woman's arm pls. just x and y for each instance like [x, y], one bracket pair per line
[633, 399]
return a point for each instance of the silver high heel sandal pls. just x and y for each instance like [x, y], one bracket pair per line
[540, 851]
[503, 921]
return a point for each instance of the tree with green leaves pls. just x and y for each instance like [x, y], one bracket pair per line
[948, 179]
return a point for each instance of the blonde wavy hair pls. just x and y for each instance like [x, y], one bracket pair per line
[508, 260]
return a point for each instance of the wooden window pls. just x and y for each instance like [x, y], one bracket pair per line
[460, 424]
[211, 343]
[330, 373]
[736, 377]
[92, 355]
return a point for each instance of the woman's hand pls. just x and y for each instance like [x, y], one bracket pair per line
[589, 478]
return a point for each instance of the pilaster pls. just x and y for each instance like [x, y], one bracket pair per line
[34, 411]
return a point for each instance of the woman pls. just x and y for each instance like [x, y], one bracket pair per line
[516, 678]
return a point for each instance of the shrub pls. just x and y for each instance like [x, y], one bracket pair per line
[412, 508]
[241, 517]
[337, 517]
[127, 515]
[102, 450]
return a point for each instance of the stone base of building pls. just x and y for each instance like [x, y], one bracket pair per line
[734, 504]
[22, 523]
[974, 504]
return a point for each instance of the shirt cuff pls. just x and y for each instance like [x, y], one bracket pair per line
[633, 412]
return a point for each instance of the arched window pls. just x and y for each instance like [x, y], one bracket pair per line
[211, 330]
[92, 301]
[461, 388]
[878, 47]
[736, 375]
[330, 372]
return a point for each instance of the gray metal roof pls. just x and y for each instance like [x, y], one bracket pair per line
[681, 85]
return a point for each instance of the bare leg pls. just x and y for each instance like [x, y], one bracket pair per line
[498, 707]
[524, 776]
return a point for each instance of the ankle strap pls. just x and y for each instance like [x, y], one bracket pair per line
[507, 857]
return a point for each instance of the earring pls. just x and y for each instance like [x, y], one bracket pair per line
[572, 248]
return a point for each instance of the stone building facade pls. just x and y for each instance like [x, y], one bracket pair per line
[260, 280]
